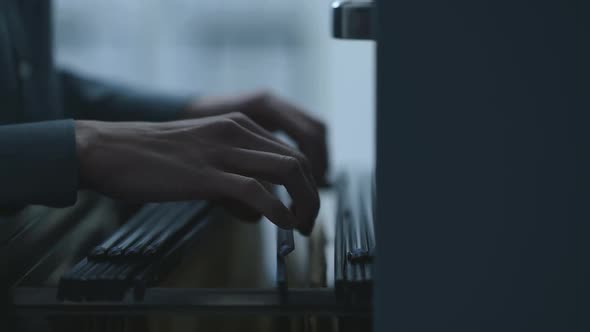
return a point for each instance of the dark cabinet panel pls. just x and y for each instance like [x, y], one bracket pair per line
[483, 165]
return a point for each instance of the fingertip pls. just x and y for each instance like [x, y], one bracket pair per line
[306, 231]
[305, 223]
[293, 211]
[289, 222]
[323, 182]
[306, 227]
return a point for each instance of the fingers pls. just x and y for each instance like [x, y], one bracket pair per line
[248, 123]
[252, 193]
[270, 142]
[308, 132]
[240, 210]
[249, 151]
[278, 169]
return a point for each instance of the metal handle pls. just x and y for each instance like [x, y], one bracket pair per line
[352, 20]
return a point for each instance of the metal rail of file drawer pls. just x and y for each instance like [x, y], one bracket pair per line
[29, 300]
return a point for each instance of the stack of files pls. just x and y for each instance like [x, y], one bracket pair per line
[137, 255]
[355, 238]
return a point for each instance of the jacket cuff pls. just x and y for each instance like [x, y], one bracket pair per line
[39, 164]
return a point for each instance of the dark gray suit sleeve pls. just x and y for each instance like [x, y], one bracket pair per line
[90, 99]
[39, 164]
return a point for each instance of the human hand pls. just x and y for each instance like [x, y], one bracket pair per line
[273, 114]
[226, 157]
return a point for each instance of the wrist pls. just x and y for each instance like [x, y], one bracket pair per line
[85, 133]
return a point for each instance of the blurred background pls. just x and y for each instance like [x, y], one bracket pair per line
[217, 47]
[220, 47]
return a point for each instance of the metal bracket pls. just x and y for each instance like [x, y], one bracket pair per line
[353, 20]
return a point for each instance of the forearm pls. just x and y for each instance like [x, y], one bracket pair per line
[89, 99]
[39, 164]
